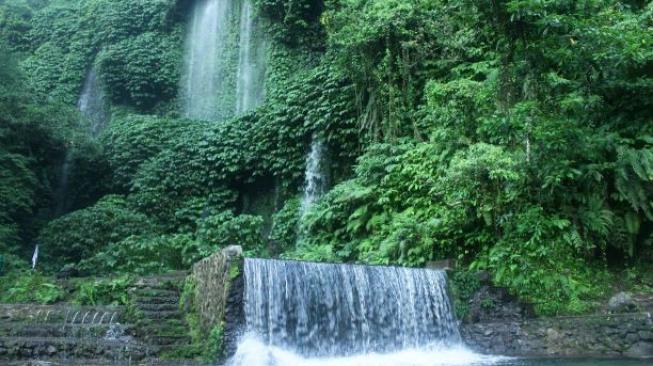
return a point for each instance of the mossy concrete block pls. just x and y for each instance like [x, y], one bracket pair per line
[212, 276]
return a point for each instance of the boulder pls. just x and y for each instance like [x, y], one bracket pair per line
[233, 251]
[445, 265]
[622, 302]
[51, 350]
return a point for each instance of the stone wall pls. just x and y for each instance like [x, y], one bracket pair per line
[624, 335]
[211, 276]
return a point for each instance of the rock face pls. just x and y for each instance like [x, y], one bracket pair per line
[491, 304]
[234, 318]
[622, 302]
[628, 335]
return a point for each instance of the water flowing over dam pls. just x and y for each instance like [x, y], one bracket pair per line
[300, 313]
[225, 60]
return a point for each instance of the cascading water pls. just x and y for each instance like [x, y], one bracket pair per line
[300, 313]
[206, 40]
[61, 193]
[316, 178]
[93, 104]
[225, 60]
[251, 62]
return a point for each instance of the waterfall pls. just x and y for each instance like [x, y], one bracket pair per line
[61, 193]
[93, 104]
[225, 60]
[300, 313]
[316, 178]
[206, 40]
[251, 62]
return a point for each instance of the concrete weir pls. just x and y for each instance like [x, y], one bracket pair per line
[223, 297]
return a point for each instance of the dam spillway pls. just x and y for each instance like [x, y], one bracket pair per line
[302, 313]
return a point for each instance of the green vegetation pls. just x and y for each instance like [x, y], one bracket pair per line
[22, 287]
[515, 136]
[111, 291]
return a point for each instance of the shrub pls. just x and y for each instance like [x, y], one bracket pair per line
[81, 234]
[143, 254]
[28, 287]
[142, 71]
[111, 291]
[218, 231]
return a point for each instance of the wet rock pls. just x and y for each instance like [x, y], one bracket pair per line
[645, 335]
[628, 335]
[495, 303]
[622, 302]
[640, 350]
[51, 350]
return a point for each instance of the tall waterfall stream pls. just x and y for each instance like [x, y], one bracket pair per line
[225, 60]
[300, 313]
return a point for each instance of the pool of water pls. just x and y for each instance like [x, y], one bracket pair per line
[253, 352]
[615, 362]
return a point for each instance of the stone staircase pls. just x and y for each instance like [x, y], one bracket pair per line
[161, 324]
[67, 331]
[67, 334]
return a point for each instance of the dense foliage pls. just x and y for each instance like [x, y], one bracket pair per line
[512, 135]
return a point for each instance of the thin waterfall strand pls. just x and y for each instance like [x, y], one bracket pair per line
[93, 104]
[251, 62]
[316, 178]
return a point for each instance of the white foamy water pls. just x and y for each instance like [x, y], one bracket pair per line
[253, 352]
[316, 314]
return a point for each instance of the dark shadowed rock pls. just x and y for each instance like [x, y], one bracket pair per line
[484, 277]
[68, 271]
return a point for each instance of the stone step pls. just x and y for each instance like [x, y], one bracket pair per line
[71, 347]
[141, 293]
[167, 324]
[158, 307]
[95, 362]
[156, 300]
[170, 340]
[168, 280]
[60, 313]
[162, 315]
[59, 330]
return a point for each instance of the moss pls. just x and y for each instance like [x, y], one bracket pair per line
[214, 344]
[204, 346]
[234, 270]
[187, 296]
